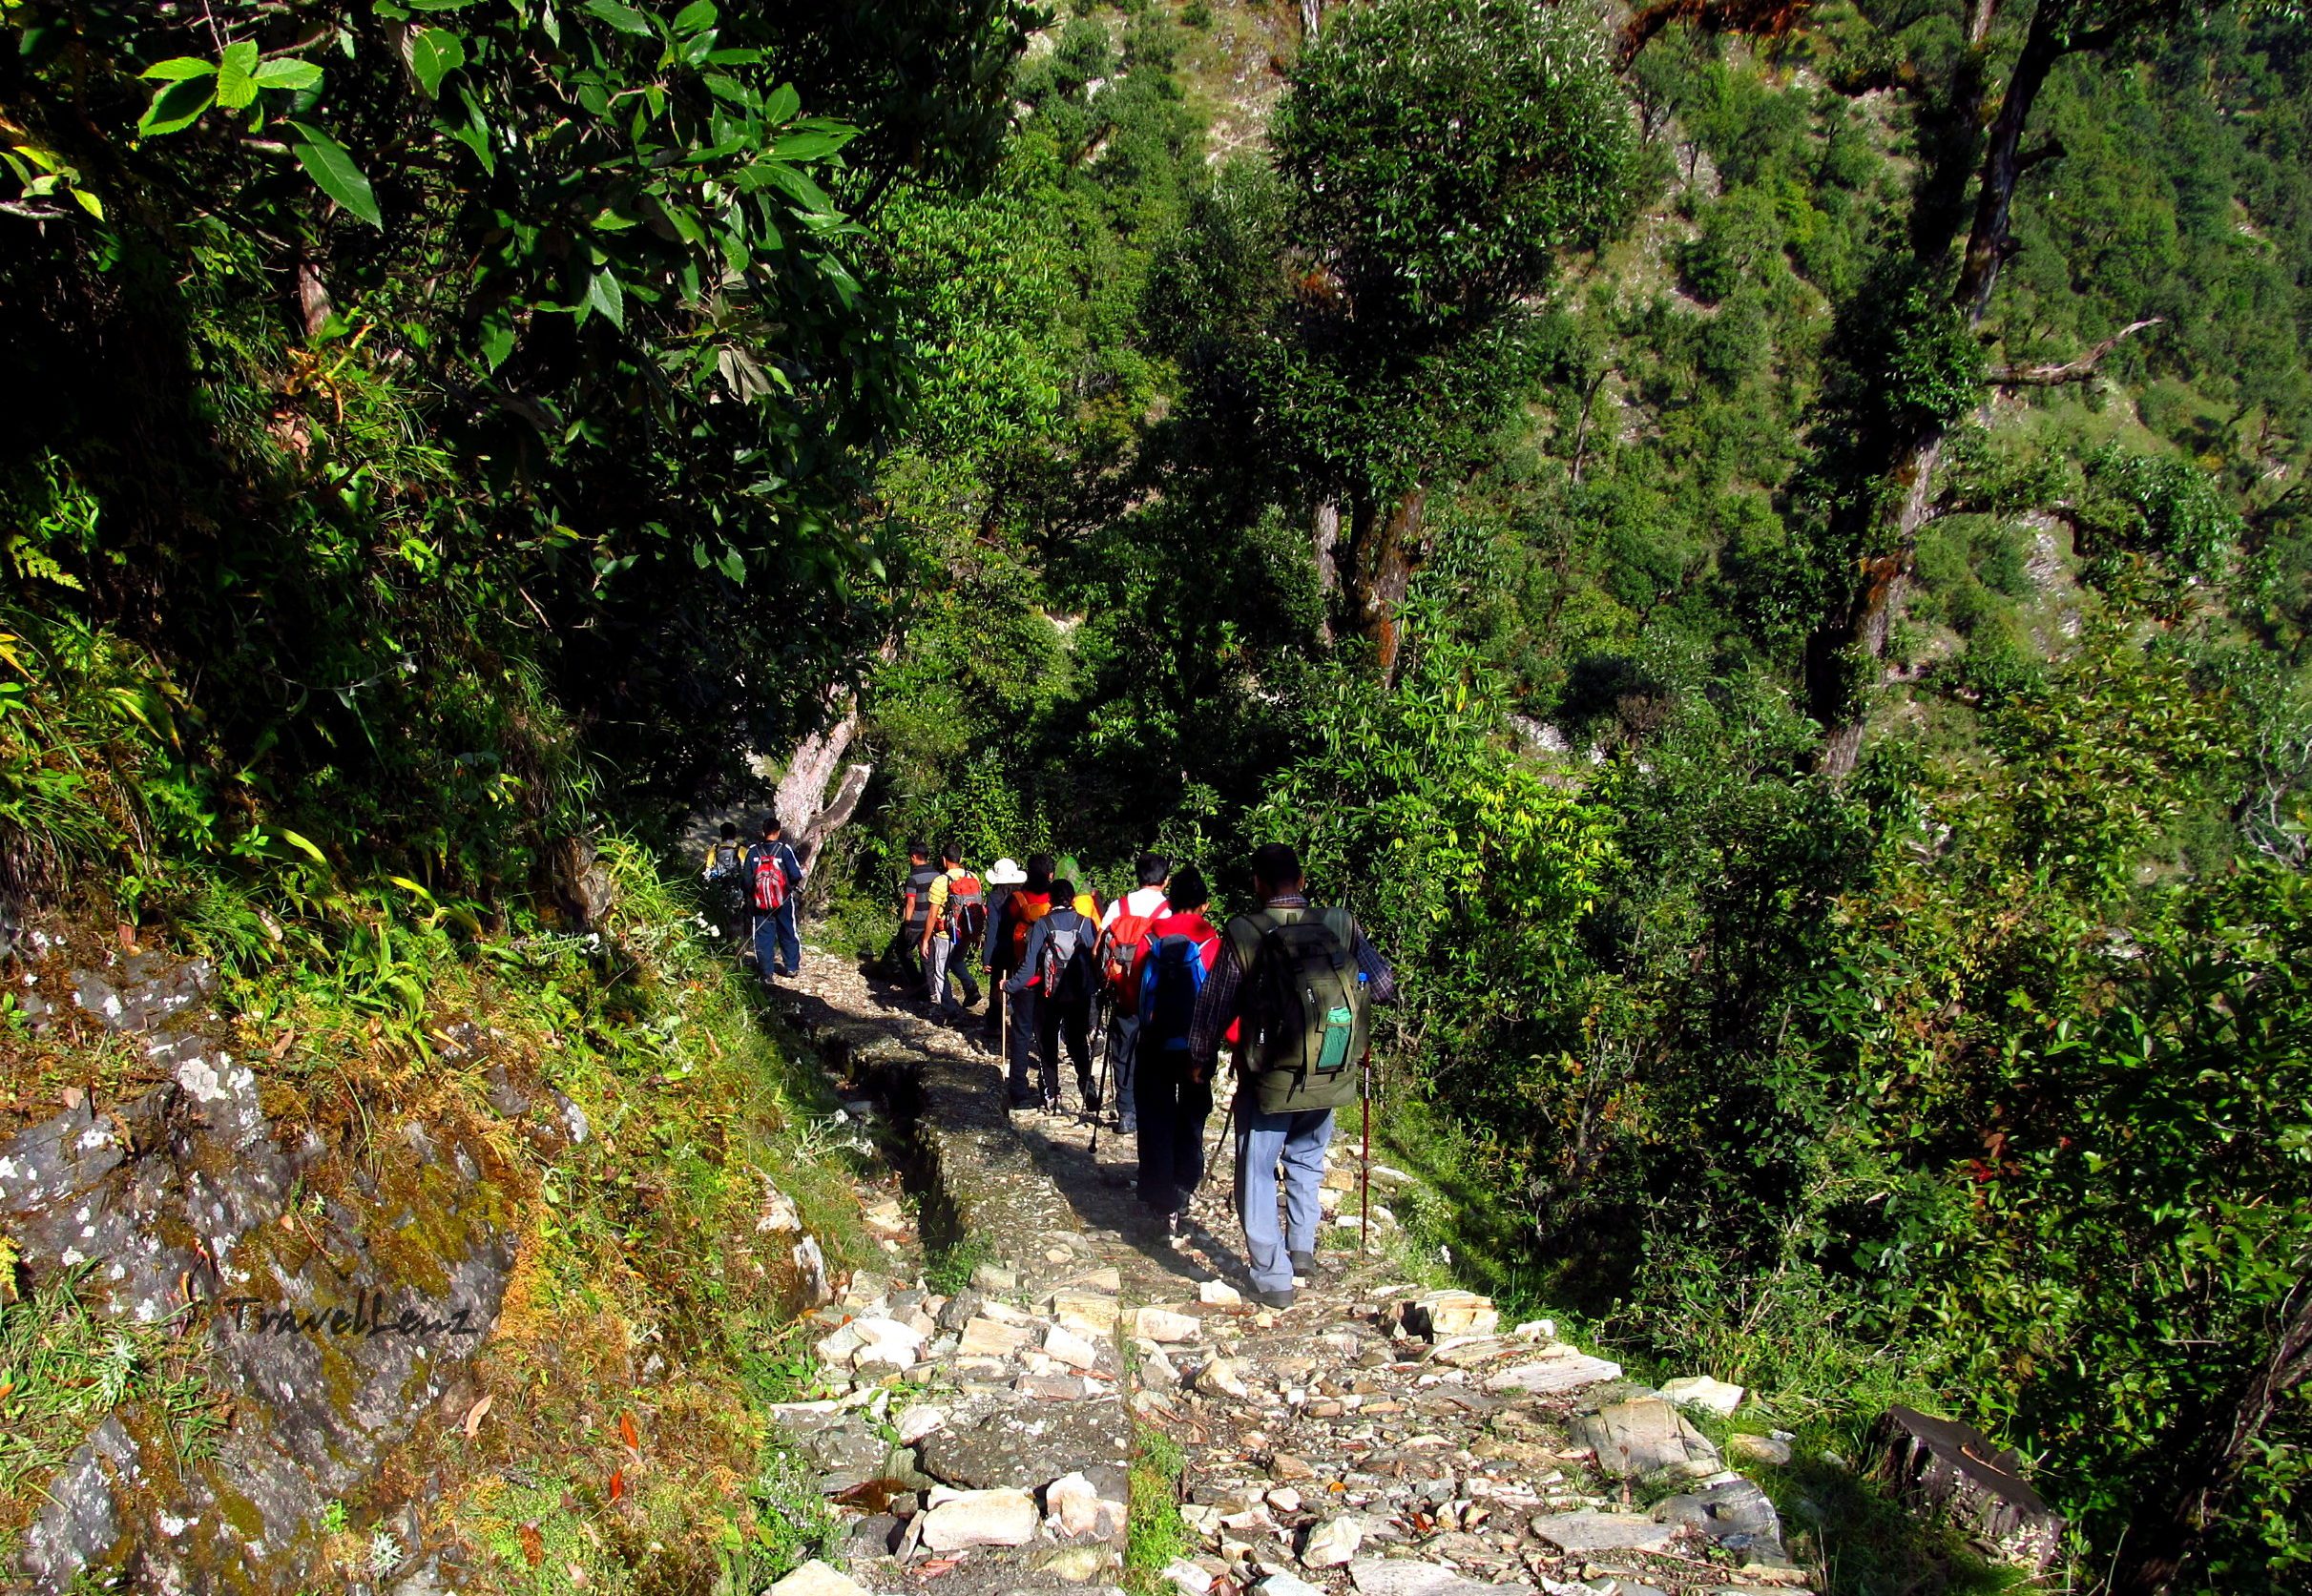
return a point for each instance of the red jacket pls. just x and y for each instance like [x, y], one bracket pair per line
[1184, 924]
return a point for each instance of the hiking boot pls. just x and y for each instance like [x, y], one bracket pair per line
[1053, 1108]
[1304, 1264]
[1273, 1300]
[1177, 1228]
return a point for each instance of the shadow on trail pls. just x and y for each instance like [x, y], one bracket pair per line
[1099, 1192]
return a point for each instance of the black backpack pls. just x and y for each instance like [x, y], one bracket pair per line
[1070, 973]
[1308, 1011]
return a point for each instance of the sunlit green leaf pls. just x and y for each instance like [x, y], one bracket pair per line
[334, 172]
[177, 69]
[236, 77]
[434, 53]
[288, 73]
[695, 17]
[177, 106]
[624, 18]
[606, 296]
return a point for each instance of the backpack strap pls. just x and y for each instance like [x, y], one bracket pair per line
[1244, 934]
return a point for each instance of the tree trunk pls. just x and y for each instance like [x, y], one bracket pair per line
[2157, 1552]
[1844, 658]
[1324, 544]
[801, 803]
[1387, 551]
[1311, 13]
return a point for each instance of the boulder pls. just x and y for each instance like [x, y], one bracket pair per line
[1729, 1509]
[1700, 1391]
[1076, 1508]
[1166, 1324]
[1186, 1577]
[956, 1520]
[1644, 1437]
[1332, 1542]
[1954, 1471]
[1589, 1531]
[1219, 1377]
[1561, 1369]
[1090, 1313]
[1771, 1450]
[1440, 1315]
[1376, 1576]
[816, 1579]
[986, 1338]
[1070, 1348]
[1039, 1442]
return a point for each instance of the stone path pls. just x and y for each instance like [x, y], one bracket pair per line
[1376, 1438]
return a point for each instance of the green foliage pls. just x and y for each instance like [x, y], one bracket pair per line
[1443, 152]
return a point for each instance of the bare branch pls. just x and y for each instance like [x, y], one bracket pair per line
[2077, 370]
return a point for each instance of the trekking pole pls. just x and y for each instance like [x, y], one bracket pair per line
[1105, 1014]
[1365, 1169]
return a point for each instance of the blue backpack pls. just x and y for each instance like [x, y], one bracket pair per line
[1171, 980]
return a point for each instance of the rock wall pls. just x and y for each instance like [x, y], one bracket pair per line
[329, 1328]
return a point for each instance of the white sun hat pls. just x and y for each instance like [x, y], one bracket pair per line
[1006, 872]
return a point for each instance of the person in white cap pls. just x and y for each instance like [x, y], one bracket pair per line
[1004, 877]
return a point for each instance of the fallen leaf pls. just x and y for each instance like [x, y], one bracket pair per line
[533, 1544]
[127, 934]
[936, 1567]
[626, 1431]
[475, 1414]
[618, 1483]
[288, 1040]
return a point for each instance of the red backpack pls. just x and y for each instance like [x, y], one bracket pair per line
[966, 910]
[1121, 946]
[767, 880]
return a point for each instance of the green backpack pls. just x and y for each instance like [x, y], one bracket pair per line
[1307, 1013]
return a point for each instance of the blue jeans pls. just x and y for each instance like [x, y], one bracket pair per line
[1299, 1140]
[774, 936]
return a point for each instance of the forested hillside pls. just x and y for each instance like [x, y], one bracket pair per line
[1761, 547]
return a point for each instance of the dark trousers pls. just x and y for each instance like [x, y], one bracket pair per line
[774, 937]
[1020, 1044]
[903, 961]
[1172, 1110]
[1123, 1050]
[1058, 1021]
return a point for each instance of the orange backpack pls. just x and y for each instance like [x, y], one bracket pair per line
[1120, 950]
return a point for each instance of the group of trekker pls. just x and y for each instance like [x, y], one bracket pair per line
[1289, 989]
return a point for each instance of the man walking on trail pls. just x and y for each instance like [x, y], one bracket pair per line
[914, 915]
[1058, 960]
[1004, 877]
[1303, 981]
[1021, 982]
[1123, 936]
[958, 920]
[727, 896]
[1175, 1099]
[770, 877]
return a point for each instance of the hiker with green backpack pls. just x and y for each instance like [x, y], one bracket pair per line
[1303, 980]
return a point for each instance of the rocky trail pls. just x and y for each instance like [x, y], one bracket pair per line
[1376, 1438]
